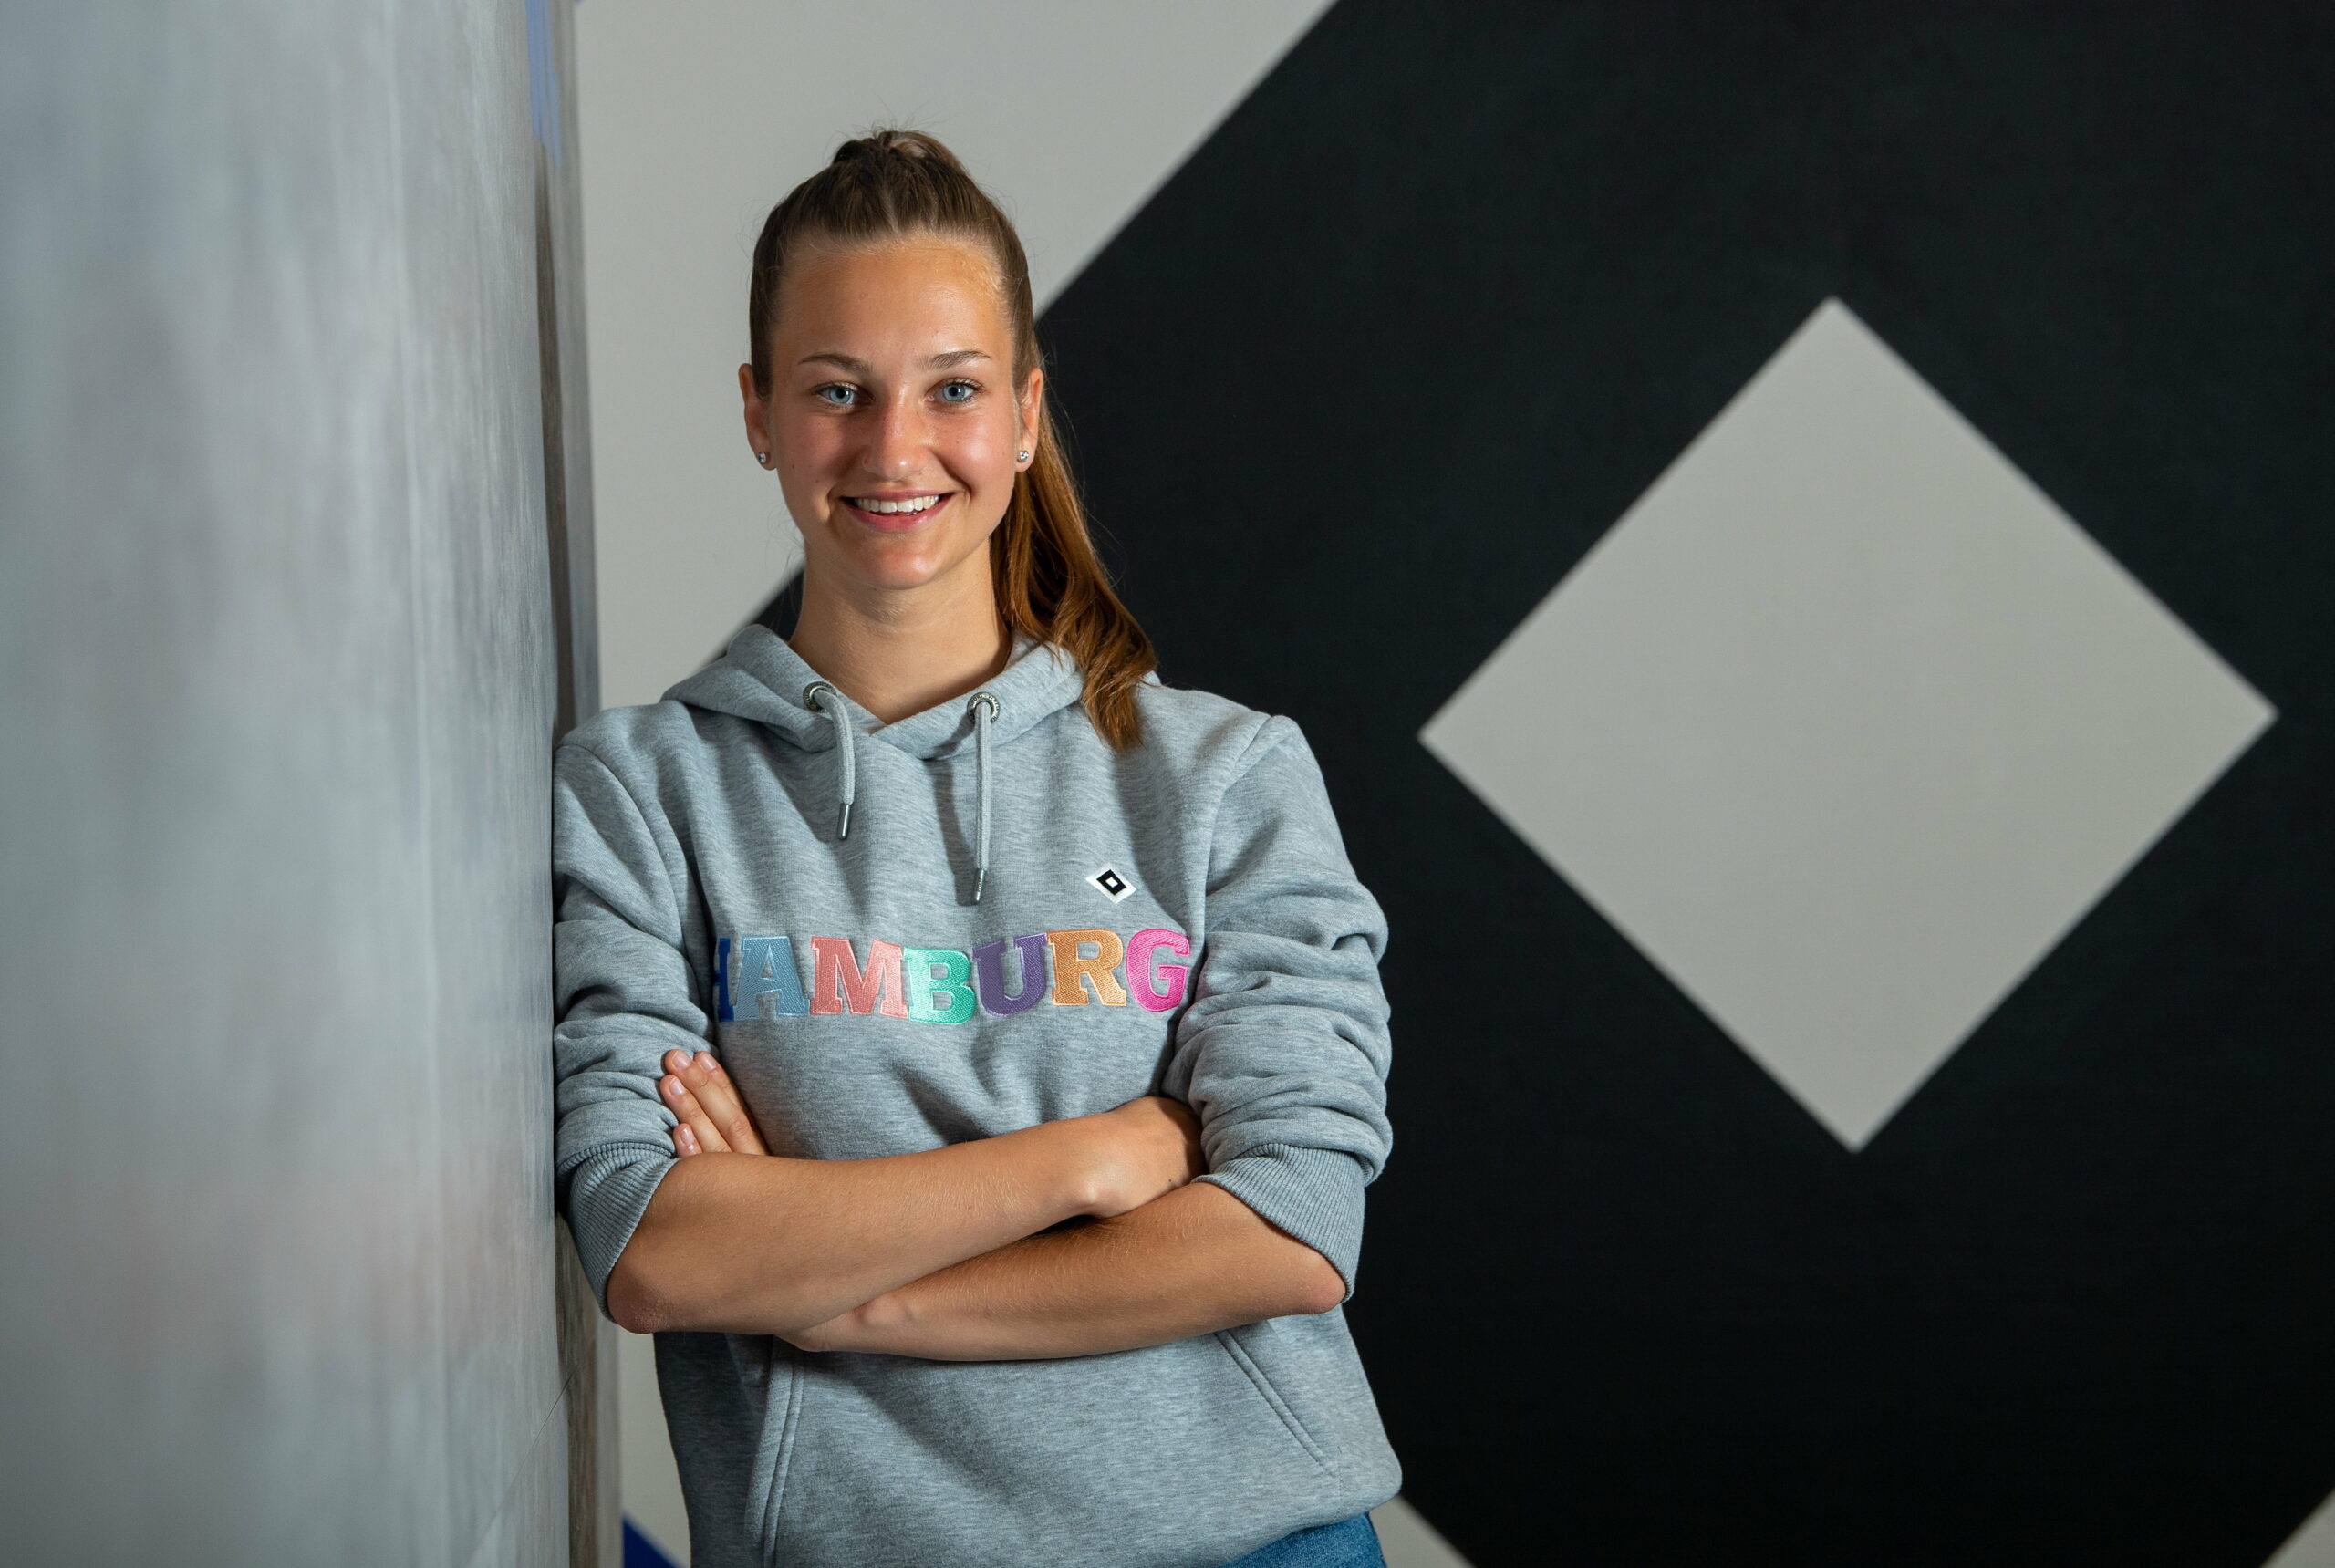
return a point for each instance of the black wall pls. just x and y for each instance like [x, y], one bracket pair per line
[1372, 372]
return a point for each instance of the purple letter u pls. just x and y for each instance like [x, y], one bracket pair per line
[989, 975]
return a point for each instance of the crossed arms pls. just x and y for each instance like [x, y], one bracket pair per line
[952, 1254]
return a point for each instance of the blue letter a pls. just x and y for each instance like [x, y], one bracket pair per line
[760, 981]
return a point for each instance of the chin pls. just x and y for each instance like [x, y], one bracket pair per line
[902, 563]
[896, 570]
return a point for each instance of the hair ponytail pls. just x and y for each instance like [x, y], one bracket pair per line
[1050, 585]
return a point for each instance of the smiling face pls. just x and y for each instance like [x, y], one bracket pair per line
[893, 418]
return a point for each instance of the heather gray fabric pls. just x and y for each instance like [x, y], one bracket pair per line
[866, 1005]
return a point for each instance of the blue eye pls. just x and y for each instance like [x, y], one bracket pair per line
[957, 391]
[837, 395]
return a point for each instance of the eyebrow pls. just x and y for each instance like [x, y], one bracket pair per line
[949, 361]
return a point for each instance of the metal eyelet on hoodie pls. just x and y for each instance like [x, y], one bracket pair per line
[985, 710]
[835, 714]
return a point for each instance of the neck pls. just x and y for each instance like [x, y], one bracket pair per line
[896, 653]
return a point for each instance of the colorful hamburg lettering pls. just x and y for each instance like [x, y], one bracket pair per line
[756, 977]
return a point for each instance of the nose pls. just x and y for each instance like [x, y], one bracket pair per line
[896, 446]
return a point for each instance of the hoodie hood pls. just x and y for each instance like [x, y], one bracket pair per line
[762, 679]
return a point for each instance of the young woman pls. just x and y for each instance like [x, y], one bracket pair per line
[972, 1051]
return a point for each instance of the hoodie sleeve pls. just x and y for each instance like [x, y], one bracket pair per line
[1283, 1052]
[624, 998]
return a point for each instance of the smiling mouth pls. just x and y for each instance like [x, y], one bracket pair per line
[891, 503]
[893, 512]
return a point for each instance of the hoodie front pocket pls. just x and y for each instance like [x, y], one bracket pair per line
[1272, 1398]
[782, 1382]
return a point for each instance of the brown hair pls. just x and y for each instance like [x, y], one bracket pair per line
[1050, 585]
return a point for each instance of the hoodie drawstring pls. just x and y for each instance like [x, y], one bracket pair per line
[835, 712]
[985, 710]
[824, 698]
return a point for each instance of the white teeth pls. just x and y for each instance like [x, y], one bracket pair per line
[913, 503]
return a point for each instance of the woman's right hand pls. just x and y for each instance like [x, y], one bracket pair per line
[1144, 1149]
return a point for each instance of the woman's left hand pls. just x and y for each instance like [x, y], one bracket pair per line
[714, 1117]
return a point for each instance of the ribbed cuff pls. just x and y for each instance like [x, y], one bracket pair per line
[1315, 1194]
[607, 1195]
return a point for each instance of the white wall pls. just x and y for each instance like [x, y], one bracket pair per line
[276, 689]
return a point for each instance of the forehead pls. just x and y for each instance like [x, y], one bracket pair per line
[907, 291]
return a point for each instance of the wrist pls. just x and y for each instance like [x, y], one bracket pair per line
[868, 1328]
[1084, 1175]
[860, 1328]
[873, 1321]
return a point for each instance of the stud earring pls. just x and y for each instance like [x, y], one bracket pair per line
[763, 458]
[1021, 457]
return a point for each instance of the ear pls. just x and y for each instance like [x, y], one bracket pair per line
[1032, 404]
[757, 414]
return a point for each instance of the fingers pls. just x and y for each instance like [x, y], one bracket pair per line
[698, 1091]
[696, 1127]
[719, 1095]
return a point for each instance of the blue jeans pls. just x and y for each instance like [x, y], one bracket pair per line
[1349, 1543]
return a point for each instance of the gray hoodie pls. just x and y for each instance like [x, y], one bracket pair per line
[903, 936]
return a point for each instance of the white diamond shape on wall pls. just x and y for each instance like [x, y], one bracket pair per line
[1844, 724]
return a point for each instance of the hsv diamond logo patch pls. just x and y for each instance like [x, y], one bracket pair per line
[1113, 887]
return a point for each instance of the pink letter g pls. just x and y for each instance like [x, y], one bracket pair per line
[1158, 986]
